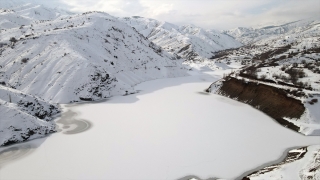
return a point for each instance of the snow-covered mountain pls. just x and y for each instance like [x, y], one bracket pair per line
[15, 13]
[49, 55]
[296, 41]
[284, 58]
[190, 42]
[297, 28]
[87, 56]
[24, 117]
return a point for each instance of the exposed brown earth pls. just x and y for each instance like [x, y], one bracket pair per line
[270, 100]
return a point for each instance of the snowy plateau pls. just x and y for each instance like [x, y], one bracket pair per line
[104, 97]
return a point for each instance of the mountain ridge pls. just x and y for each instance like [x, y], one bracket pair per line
[92, 43]
[250, 35]
[188, 41]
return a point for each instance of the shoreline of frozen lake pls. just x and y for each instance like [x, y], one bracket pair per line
[169, 130]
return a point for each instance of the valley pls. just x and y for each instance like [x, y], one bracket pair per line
[181, 131]
[93, 96]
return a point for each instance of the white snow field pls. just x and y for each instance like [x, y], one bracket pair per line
[169, 130]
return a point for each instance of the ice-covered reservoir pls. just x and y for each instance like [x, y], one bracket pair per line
[169, 130]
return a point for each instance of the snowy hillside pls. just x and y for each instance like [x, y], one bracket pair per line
[24, 117]
[290, 43]
[89, 56]
[289, 60]
[286, 62]
[189, 42]
[302, 163]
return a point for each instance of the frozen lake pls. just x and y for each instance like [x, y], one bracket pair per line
[169, 130]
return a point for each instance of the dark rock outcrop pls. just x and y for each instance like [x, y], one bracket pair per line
[268, 99]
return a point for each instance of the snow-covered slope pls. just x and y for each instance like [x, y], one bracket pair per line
[287, 44]
[89, 56]
[302, 163]
[24, 117]
[288, 61]
[66, 58]
[298, 47]
[189, 42]
[294, 29]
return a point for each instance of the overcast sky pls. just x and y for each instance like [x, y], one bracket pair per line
[211, 14]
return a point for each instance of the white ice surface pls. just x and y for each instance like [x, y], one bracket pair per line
[169, 130]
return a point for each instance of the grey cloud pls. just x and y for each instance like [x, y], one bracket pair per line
[133, 6]
[219, 14]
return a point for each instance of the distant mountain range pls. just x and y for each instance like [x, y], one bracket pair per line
[189, 41]
[297, 28]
